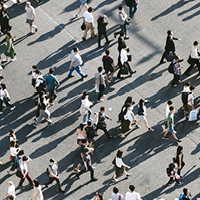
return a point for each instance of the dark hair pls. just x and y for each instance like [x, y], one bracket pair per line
[107, 52]
[5, 11]
[11, 197]
[37, 71]
[11, 132]
[192, 87]
[132, 188]
[119, 153]
[102, 108]
[126, 106]
[86, 149]
[3, 86]
[124, 46]
[141, 102]
[178, 151]
[100, 69]
[84, 140]
[176, 57]
[1, 4]
[89, 123]
[100, 196]
[84, 95]
[187, 83]
[171, 108]
[51, 70]
[81, 126]
[34, 67]
[185, 190]
[36, 182]
[90, 9]
[195, 43]
[75, 49]
[115, 190]
[171, 167]
[25, 158]
[41, 93]
[122, 33]
[9, 35]
[120, 8]
[12, 144]
[169, 102]
[169, 32]
[129, 100]
[100, 19]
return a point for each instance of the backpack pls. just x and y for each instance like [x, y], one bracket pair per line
[184, 97]
[171, 68]
[47, 170]
[181, 197]
[168, 172]
[106, 63]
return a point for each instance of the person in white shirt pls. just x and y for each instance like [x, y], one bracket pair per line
[190, 101]
[1, 70]
[195, 56]
[132, 195]
[11, 190]
[34, 76]
[185, 92]
[115, 195]
[39, 84]
[89, 23]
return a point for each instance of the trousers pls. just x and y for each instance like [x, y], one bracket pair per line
[28, 178]
[51, 179]
[45, 114]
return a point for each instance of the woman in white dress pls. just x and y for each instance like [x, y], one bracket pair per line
[37, 195]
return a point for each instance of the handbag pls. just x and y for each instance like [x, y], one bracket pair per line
[96, 89]
[19, 173]
[129, 57]
[114, 161]
[193, 115]
[11, 158]
[124, 69]
[171, 57]
[83, 27]
[83, 110]
[21, 152]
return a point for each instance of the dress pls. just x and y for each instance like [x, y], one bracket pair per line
[37, 195]
[12, 53]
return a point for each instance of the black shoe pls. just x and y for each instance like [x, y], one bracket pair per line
[99, 46]
[1, 77]
[94, 179]
[126, 38]
[85, 76]
[178, 140]
[70, 76]
[133, 72]
[115, 35]
[108, 42]
[46, 185]
[161, 62]
[77, 176]
[60, 190]
[83, 39]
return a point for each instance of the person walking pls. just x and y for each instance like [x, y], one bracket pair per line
[184, 97]
[101, 27]
[109, 66]
[85, 107]
[83, 4]
[195, 56]
[24, 171]
[132, 195]
[122, 22]
[170, 125]
[102, 122]
[142, 114]
[37, 195]
[33, 75]
[5, 25]
[76, 63]
[9, 50]
[179, 159]
[5, 98]
[89, 23]
[81, 135]
[11, 191]
[30, 17]
[40, 82]
[100, 83]
[119, 166]
[185, 195]
[132, 4]
[116, 195]
[54, 174]
[87, 164]
[170, 46]
[190, 101]
[51, 83]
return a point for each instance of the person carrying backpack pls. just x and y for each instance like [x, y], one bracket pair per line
[186, 194]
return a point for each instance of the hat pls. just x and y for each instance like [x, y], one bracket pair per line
[28, 3]
[52, 160]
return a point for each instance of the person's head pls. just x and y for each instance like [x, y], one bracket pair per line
[177, 58]
[52, 161]
[119, 153]
[107, 52]
[179, 149]
[75, 49]
[141, 102]
[8, 34]
[24, 158]
[126, 106]
[12, 132]
[81, 126]
[85, 95]
[34, 67]
[100, 69]
[132, 188]
[10, 183]
[3, 86]
[90, 9]
[171, 166]
[84, 142]
[186, 191]
[129, 100]
[42, 94]
[36, 183]
[28, 4]
[120, 8]
[86, 150]
[187, 84]
[102, 109]
[12, 144]
[192, 87]
[51, 70]
[171, 109]
[196, 43]
[37, 72]
[89, 123]
[99, 196]
[169, 33]
[115, 190]
[169, 103]
[100, 19]
[124, 46]
[122, 34]
[4, 12]
[1, 4]
[11, 197]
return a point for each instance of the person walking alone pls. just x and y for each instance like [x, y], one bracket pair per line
[179, 159]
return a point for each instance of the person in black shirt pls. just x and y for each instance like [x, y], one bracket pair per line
[179, 159]
[102, 29]
[5, 22]
[170, 46]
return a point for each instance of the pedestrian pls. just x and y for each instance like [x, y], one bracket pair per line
[37, 195]
[100, 83]
[14, 154]
[87, 164]
[142, 114]
[98, 196]
[132, 4]
[11, 197]
[83, 4]
[34, 76]
[5, 25]
[170, 46]
[116, 195]
[172, 174]
[185, 195]
[9, 50]
[184, 97]
[109, 66]
[5, 98]
[132, 195]
[102, 122]
[51, 83]
[1, 72]
[81, 134]
[190, 100]
[179, 159]
[177, 71]
[30, 17]
[24, 171]
[170, 125]
[101, 27]
[44, 112]
[195, 56]
[12, 137]
[122, 22]
[120, 167]
[85, 107]
[40, 82]
[76, 63]
[11, 191]
[89, 23]
[54, 174]
[1, 9]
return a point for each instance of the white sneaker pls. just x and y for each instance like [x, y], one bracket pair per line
[99, 100]
[13, 59]
[104, 96]
[85, 123]
[13, 108]
[1, 113]
[115, 180]
[175, 132]
[163, 127]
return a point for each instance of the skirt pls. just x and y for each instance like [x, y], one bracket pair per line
[119, 171]
[125, 125]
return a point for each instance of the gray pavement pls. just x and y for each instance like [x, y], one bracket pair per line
[146, 153]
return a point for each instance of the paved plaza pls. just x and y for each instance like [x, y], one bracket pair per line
[146, 153]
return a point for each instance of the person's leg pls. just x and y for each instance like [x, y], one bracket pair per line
[47, 116]
[71, 71]
[29, 178]
[146, 123]
[78, 69]
[79, 10]
[170, 180]
[21, 181]
[81, 172]
[106, 132]
[166, 132]
[99, 39]
[174, 80]
[129, 68]
[130, 11]
[164, 56]
[1, 105]
[86, 29]
[89, 114]
[78, 166]
[51, 93]
[106, 36]
[179, 170]
[15, 163]
[84, 118]
[7, 103]
[189, 69]
[58, 182]
[111, 76]
[107, 77]
[92, 32]
[125, 30]
[90, 168]
[100, 94]
[39, 118]
[174, 136]
[51, 179]
[134, 11]
[138, 121]
[198, 65]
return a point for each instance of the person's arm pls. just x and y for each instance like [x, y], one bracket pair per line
[122, 163]
[106, 18]
[85, 164]
[71, 65]
[10, 42]
[192, 103]
[179, 67]
[176, 38]
[56, 81]
[96, 121]
[137, 1]
[54, 175]
[179, 157]
[33, 17]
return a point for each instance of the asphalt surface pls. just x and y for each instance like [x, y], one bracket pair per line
[146, 153]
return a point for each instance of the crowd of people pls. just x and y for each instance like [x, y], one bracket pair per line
[45, 89]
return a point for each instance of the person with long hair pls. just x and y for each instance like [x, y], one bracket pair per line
[9, 50]
[179, 159]
[37, 195]
[120, 167]
[12, 137]
[142, 114]
[81, 134]
[173, 175]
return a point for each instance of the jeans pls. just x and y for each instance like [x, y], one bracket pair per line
[51, 179]
[176, 79]
[15, 164]
[84, 170]
[6, 102]
[123, 28]
[28, 178]
[89, 112]
[78, 69]
[131, 11]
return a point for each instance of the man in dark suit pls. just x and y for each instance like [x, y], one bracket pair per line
[102, 122]
[170, 46]
[5, 22]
